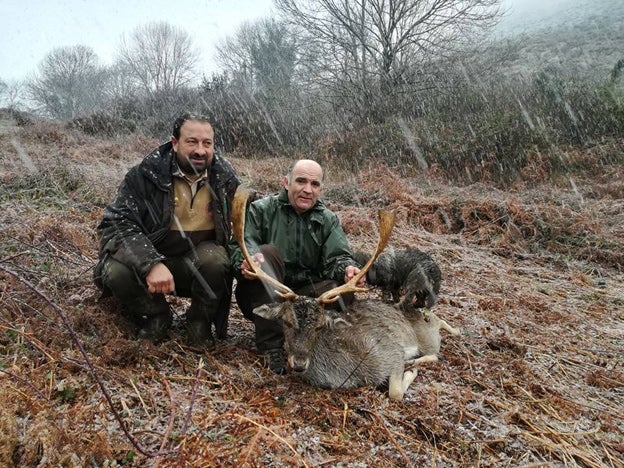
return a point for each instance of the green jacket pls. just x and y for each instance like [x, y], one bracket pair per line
[313, 244]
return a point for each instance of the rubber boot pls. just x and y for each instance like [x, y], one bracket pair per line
[199, 319]
[151, 315]
[270, 344]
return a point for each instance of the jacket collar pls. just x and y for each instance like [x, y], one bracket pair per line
[160, 164]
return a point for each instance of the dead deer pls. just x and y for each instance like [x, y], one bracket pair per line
[367, 345]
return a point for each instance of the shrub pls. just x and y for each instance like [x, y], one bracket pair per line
[104, 124]
[387, 143]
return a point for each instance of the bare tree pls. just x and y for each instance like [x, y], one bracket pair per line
[262, 56]
[160, 58]
[12, 94]
[261, 64]
[121, 82]
[234, 57]
[369, 51]
[68, 83]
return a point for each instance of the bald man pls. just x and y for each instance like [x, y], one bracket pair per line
[299, 241]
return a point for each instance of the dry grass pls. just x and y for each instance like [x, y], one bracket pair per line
[533, 276]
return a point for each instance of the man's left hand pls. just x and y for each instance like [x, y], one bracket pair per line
[350, 272]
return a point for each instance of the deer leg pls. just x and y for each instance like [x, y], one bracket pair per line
[408, 378]
[427, 358]
[445, 326]
[395, 385]
[410, 374]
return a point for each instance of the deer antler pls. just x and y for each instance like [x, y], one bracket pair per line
[238, 228]
[386, 223]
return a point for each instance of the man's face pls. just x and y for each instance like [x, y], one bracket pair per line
[305, 185]
[195, 147]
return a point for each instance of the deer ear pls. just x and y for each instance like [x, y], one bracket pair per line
[335, 320]
[270, 311]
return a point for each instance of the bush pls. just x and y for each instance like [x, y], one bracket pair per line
[20, 118]
[104, 125]
[388, 143]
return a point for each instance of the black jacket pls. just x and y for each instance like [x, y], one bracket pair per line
[140, 215]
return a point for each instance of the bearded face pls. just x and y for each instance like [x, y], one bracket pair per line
[195, 147]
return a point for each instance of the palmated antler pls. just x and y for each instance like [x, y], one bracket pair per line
[386, 223]
[238, 227]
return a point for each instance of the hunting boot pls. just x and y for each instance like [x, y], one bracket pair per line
[251, 294]
[221, 320]
[199, 319]
[270, 344]
[151, 315]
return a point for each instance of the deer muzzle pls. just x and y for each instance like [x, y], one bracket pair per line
[298, 364]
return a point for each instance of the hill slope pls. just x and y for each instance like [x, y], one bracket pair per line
[532, 276]
[582, 38]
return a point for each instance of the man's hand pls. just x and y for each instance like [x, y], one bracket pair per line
[258, 260]
[160, 280]
[350, 272]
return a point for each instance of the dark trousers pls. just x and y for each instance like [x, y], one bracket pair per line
[253, 293]
[203, 274]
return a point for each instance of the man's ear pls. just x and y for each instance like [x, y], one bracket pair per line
[174, 142]
[286, 182]
[335, 320]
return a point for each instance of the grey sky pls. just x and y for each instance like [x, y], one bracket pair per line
[32, 28]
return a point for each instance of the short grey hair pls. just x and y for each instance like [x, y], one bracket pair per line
[294, 163]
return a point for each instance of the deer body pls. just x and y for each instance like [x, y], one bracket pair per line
[367, 345]
[427, 326]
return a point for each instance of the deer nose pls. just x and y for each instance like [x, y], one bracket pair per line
[299, 365]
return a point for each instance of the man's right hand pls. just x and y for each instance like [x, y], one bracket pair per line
[258, 260]
[160, 280]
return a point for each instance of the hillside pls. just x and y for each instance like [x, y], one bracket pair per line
[533, 276]
[580, 38]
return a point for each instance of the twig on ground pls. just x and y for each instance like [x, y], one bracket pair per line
[390, 436]
[275, 434]
[95, 375]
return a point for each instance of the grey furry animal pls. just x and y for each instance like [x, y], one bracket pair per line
[409, 271]
[369, 344]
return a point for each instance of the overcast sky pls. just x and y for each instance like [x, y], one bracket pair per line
[32, 28]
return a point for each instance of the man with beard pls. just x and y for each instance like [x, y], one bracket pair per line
[166, 232]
